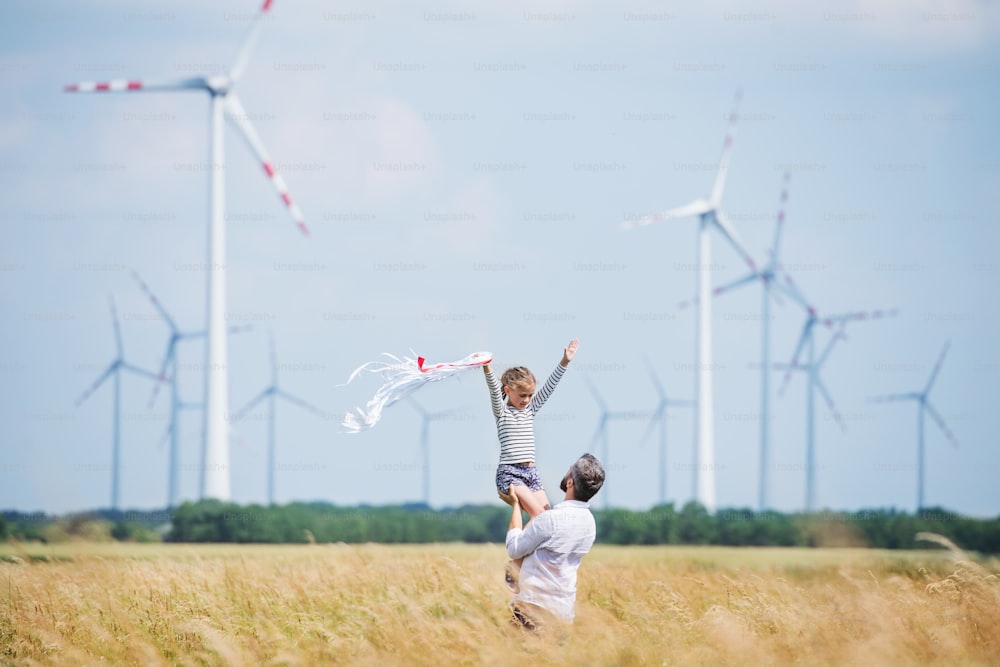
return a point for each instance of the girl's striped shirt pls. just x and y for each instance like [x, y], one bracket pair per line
[516, 428]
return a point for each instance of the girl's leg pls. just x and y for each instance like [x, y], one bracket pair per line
[532, 502]
[541, 499]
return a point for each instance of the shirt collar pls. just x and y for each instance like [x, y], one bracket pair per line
[573, 503]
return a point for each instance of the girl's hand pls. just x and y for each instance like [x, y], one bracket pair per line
[570, 351]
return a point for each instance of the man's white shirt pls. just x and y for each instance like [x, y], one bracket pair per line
[552, 545]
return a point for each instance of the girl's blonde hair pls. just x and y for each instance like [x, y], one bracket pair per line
[517, 376]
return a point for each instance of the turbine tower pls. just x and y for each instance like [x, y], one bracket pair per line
[223, 102]
[660, 416]
[272, 392]
[814, 382]
[768, 278]
[601, 433]
[425, 450]
[114, 370]
[924, 407]
[710, 216]
[169, 370]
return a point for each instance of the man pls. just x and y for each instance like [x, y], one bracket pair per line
[552, 546]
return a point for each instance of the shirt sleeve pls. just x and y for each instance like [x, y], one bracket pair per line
[521, 542]
[496, 395]
[542, 395]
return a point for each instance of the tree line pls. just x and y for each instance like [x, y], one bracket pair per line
[214, 521]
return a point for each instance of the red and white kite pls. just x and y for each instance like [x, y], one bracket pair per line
[403, 376]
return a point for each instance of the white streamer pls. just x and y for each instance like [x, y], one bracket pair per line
[403, 376]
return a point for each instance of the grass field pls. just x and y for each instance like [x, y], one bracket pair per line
[87, 604]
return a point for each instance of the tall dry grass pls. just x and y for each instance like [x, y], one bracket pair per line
[446, 604]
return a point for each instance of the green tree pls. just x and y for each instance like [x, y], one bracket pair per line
[695, 525]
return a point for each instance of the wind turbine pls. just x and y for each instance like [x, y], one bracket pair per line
[272, 392]
[223, 102]
[814, 382]
[660, 415]
[710, 216]
[425, 450]
[768, 278]
[601, 432]
[169, 370]
[924, 407]
[114, 370]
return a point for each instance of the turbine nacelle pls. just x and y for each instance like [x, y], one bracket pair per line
[219, 84]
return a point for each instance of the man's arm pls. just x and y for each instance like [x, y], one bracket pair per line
[515, 515]
[521, 542]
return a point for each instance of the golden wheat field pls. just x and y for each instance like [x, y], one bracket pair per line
[124, 604]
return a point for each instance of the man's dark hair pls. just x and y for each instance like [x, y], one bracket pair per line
[588, 477]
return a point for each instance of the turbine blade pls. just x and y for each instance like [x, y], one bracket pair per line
[243, 55]
[660, 391]
[839, 335]
[806, 332]
[156, 302]
[830, 404]
[886, 398]
[859, 315]
[773, 293]
[117, 327]
[97, 383]
[170, 323]
[727, 150]
[940, 422]
[697, 207]
[937, 367]
[598, 432]
[301, 403]
[239, 414]
[739, 282]
[135, 85]
[779, 226]
[163, 438]
[236, 113]
[167, 358]
[142, 372]
[790, 290]
[652, 424]
[722, 222]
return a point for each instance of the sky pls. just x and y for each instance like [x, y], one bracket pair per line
[465, 170]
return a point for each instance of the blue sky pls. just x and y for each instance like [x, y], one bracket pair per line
[464, 169]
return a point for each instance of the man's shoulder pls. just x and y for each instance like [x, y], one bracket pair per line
[573, 505]
[570, 512]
